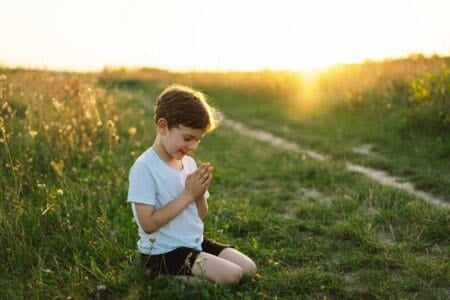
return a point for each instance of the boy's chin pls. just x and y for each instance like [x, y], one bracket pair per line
[179, 155]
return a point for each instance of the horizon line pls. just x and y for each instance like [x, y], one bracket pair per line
[112, 67]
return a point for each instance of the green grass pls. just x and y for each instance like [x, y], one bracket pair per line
[421, 156]
[314, 229]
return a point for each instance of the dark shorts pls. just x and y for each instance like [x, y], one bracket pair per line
[178, 261]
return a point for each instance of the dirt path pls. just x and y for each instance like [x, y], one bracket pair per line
[376, 175]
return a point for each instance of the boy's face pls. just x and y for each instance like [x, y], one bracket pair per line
[181, 140]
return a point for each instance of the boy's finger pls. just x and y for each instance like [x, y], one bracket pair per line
[208, 181]
[206, 178]
[199, 171]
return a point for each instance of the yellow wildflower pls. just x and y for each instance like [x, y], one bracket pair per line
[56, 104]
[58, 167]
[132, 131]
[33, 133]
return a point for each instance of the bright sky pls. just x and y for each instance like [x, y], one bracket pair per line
[213, 34]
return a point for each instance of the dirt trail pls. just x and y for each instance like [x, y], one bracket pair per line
[376, 175]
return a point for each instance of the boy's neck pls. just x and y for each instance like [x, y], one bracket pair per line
[161, 152]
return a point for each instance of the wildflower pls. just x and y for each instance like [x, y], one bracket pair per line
[110, 124]
[132, 131]
[58, 167]
[60, 192]
[101, 287]
[56, 104]
[33, 133]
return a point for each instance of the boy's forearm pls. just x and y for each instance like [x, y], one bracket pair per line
[202, 207]
[167, 213]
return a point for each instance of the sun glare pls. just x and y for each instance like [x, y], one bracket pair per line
[219, 35]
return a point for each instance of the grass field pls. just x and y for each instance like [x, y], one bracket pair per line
[314, 229]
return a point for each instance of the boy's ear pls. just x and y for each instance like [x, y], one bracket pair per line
[162, 126]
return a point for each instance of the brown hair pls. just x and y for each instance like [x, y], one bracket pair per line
[181, 105]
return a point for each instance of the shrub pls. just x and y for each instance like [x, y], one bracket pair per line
[429, 101]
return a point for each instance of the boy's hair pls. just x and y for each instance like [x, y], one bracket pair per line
[181, 105]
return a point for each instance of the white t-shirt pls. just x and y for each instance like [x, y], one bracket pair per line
[153, 182]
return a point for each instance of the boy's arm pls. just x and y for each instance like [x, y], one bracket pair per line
[202, 207]
[151, 219]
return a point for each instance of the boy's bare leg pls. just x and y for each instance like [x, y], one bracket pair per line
[216, 269]
[247, 265]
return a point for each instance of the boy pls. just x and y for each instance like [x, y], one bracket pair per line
[168, 195]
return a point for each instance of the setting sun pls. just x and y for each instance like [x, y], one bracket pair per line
[210, 35]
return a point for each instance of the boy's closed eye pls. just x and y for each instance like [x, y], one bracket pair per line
[189, 139]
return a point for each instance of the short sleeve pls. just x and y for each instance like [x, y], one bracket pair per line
[142, 187]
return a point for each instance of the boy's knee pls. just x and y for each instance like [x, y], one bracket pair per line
[233, 276]
[250, 269]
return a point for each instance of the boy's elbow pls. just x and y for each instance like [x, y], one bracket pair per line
[150, 227]
[148, 220]
[148, 230]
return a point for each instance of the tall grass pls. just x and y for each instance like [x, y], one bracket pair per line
[416, 89]
[59, 178]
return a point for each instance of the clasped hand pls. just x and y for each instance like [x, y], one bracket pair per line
[198, 181]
